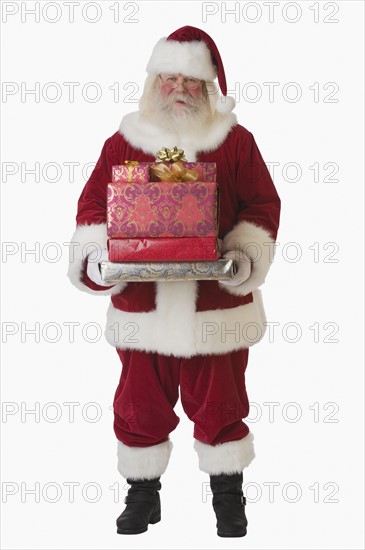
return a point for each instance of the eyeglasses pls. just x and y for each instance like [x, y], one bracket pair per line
[173, 81]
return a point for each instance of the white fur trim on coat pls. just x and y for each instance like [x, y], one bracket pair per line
[87, 240]
[143, 462]
[188, 58]
[142, 133]
[225, 458]
[176, 328]
[255, 242]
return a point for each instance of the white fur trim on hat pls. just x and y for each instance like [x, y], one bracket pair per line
[188, 58]
[225, 104]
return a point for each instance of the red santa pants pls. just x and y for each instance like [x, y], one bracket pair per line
[212, 391]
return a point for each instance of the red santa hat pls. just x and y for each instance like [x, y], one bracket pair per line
[192, 52]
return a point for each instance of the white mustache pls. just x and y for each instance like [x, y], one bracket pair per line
[183, 97]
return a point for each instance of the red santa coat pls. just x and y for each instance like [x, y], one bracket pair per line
[191, 317]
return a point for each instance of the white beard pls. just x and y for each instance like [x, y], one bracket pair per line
[184, 120]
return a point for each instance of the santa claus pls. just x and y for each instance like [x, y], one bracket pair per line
[192, 335]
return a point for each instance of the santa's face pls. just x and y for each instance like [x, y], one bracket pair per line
[178, 102]
[179, 92]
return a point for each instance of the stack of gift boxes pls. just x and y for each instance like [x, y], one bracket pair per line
[163, 211]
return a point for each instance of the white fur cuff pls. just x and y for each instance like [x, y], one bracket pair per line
[88, 240]
[254, 242]
[225, 458]
[143, 462]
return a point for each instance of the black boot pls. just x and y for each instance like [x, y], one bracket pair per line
[143, 506]
[229, 505]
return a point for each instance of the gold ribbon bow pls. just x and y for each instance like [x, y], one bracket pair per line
[174, 172]
[131, 162]
[170, 155]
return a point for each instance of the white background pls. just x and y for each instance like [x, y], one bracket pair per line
[313, 439]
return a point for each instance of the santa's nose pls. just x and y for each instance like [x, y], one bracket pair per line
[180, 88]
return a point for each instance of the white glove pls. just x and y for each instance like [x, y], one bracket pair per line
[93, 263]
[243, 263]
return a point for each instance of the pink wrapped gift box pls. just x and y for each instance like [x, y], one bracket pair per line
[129, 172]
[162, 209]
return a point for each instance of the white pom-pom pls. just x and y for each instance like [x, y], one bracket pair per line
[225, 104]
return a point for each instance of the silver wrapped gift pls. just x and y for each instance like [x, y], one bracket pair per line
[114, 272]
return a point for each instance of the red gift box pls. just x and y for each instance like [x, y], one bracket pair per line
[163, 250]
[162, 209]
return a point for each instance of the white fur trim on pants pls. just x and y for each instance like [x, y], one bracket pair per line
[225, 458]
[143, 462]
